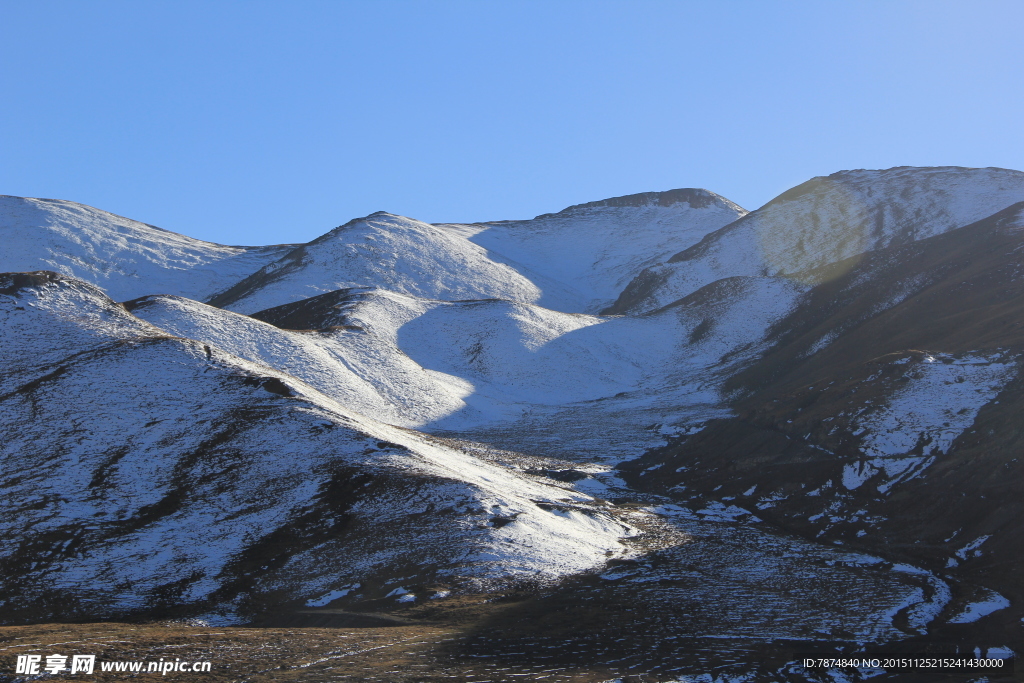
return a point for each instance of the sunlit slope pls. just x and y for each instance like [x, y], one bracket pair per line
[575, 261]
[886, 415]
[540, 380]
[125, 258]
[445, 366]
[148, 474]
[828, 220]
[598, 247]
[366, 372]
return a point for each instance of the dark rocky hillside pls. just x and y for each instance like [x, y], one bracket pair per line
[934, 329]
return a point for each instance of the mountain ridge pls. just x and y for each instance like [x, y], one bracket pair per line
[539, 261]
[797, 424]
[697, 198]
[123, 256]
[883, 416]
[825, 220]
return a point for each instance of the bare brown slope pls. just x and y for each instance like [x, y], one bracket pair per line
[783, 456]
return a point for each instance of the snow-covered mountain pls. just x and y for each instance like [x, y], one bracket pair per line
[828, 220]
[843, 363]
[577, 260]
[886, 416]
[125, 258]
[598, 247]
[472, 367]
[145, 470]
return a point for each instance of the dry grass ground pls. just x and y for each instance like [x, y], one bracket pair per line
[470, 639]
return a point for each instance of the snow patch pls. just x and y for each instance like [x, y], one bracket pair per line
[940, 401]
[990, 602]
[331, 596]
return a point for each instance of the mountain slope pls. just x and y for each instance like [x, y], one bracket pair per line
[483, 365]
[807, 426]
[125, 258]
[576, 260]
[598, 247]
[149, 474]
[886, 415]
[530, 376]
[393, 252]
[827, 220]
[367, 374]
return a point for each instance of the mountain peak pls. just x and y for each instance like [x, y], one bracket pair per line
[124, 257]
[697, 198]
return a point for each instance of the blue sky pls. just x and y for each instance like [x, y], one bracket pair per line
[260, 122]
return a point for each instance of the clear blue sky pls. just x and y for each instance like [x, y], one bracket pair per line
[259, 122]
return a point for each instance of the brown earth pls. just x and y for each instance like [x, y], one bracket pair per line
[559, 636]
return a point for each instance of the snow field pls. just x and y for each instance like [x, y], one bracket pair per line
[418, 363]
